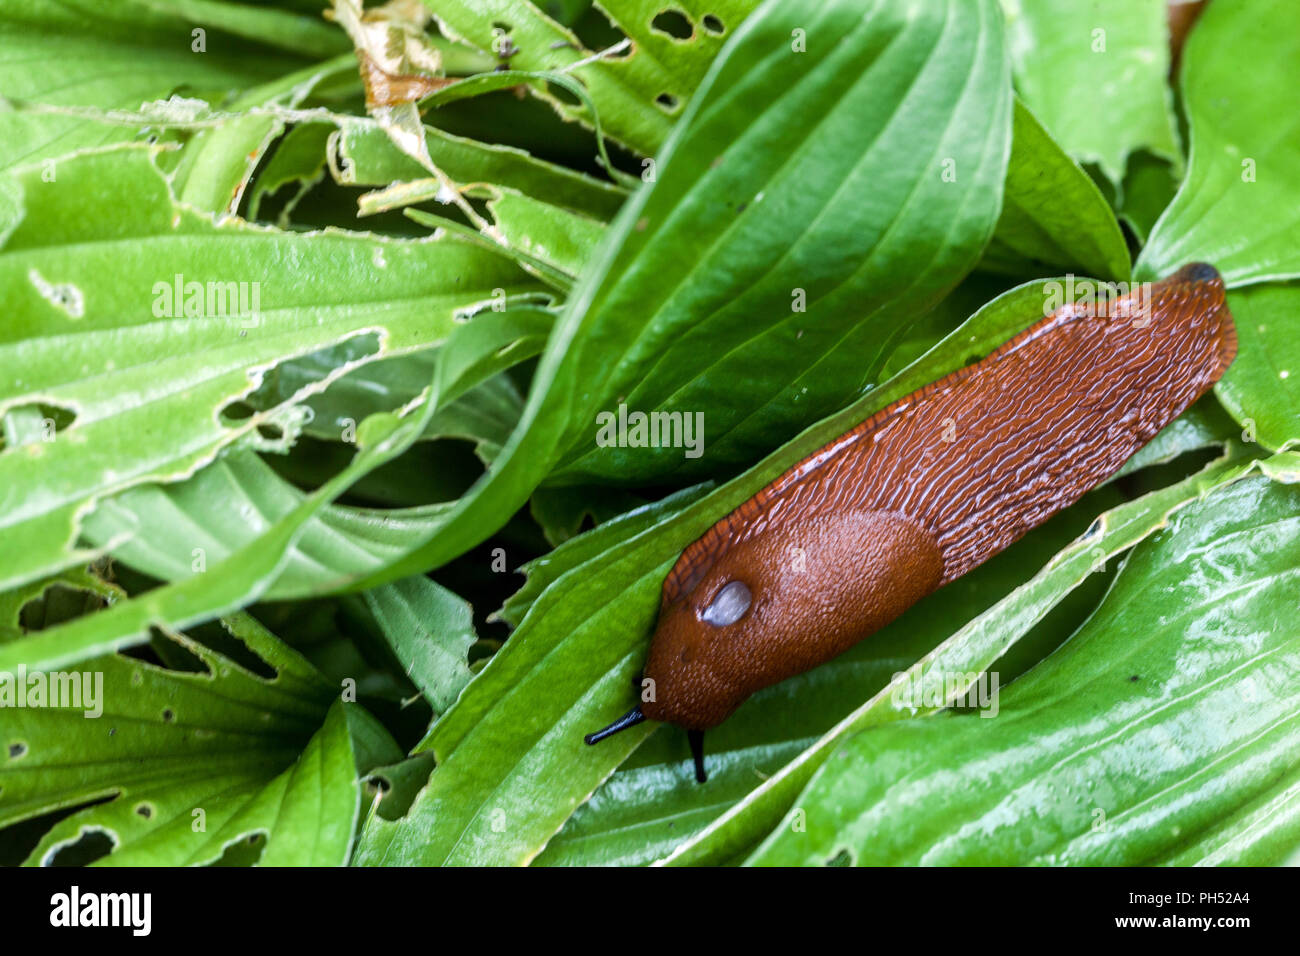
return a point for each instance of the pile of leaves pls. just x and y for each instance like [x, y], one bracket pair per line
[309, 321]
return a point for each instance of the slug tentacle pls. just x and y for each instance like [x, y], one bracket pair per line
[630, 719]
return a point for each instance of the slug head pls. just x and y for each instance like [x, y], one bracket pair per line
[779, 604]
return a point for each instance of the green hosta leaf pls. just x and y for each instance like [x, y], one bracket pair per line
[363, 155]
[430, 630]
[255, 566]
[1262, 387]
[196, 761]
[1171, 712]
[1054, 218]
[686, 342]
[638, 90]
[217, 163]
[1239, 207]
[234, 583]
[542, 572]
[58, 598]
[1149, 187]
[299, 160]
[144, 385]
[175, 532]
[87, 53]
[1094, 74]
[238, 506]
[748, 221]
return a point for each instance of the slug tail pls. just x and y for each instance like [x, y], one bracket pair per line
[1206, 274]
[1227, 341]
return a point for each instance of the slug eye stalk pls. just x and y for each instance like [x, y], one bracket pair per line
[630, 719]
[634, 717]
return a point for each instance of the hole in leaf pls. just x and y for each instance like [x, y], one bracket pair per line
[595, 28]
[145, 811]
[35, 422]
[168, 715]
[92, 845]
[400, 784]
[145, 652]
[563, 94]
[18, 840]
[17, 750]
[236, 412]
[232, 646]
[243, 852]
[281, 384]
[58, 604]
[843, 858]
[66, 296]
[674, 23]
[166, 652]
[667, 102]
[712, 24]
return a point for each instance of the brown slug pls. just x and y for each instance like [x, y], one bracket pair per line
[922, 492]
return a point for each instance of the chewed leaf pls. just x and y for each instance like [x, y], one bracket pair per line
[1239, 206]
[87, 53]
[202, 759]
[146, 321]
[362, 155]
[430, 629]
[180, 530]
[1104, 61]
[638, 85]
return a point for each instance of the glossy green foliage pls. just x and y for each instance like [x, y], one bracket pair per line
[1239, 206]
[275, 361]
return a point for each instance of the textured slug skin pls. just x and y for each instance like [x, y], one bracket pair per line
[928, 488]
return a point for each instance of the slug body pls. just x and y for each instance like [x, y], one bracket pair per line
[925, 490]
